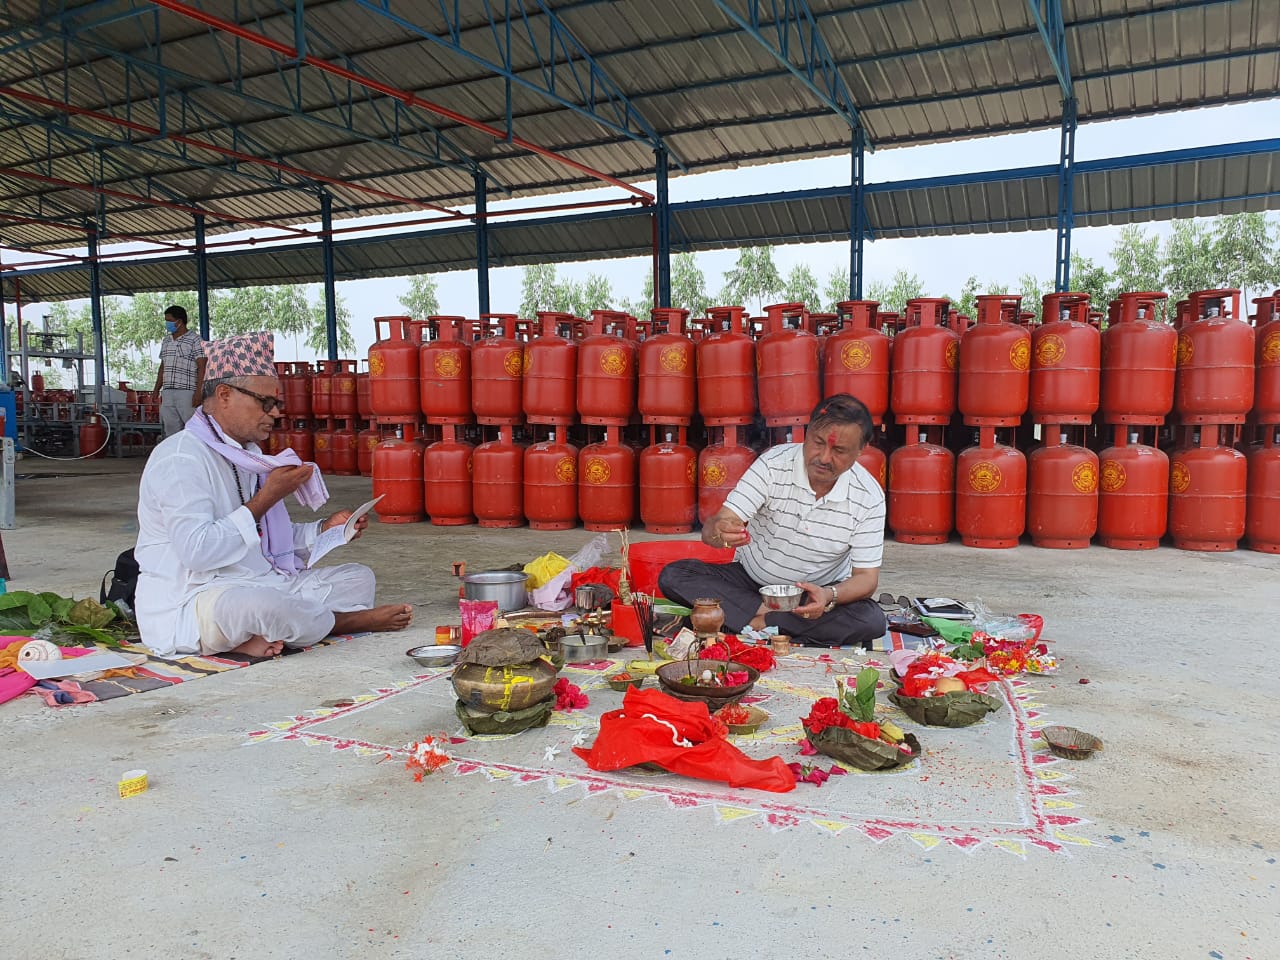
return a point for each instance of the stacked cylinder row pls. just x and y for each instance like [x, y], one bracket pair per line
[611, 379]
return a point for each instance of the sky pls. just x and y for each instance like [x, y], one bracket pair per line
[942, 263]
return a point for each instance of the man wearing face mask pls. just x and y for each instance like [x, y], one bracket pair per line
[181, 373]
[816, 520]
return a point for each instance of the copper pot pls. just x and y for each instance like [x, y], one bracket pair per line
[508, 688]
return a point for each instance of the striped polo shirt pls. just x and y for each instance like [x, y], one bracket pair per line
[795, 535]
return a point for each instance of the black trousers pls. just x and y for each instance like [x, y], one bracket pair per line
[850, 624]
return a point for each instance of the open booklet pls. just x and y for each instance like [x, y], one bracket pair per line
[336, 537]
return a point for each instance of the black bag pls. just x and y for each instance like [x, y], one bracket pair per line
[124, 581]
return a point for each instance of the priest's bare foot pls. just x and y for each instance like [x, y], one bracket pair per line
[392, 616]
[259, 647]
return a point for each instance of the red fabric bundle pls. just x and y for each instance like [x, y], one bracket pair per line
[682, 737]
[609, 576]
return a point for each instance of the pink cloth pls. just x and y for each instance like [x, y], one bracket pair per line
[15, 682]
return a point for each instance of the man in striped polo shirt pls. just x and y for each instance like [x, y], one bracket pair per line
[816, 519]
[181, 375]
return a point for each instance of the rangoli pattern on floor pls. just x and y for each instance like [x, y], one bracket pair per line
[992, 785]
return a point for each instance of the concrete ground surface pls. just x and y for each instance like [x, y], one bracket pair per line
[290, 850]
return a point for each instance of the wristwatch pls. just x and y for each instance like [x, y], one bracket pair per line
[831, 604]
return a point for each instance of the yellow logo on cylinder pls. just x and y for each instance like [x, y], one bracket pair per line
[1050, 349]
[714, 473]
[1113, 476]
[1270, 352]
[692, 473]
[470, 466]
[985, 477]
[953, 355]
[1185, 350]
[674, 358]
[1085, 478]
[345, 385]
[884, 475]
[448, 363]
[1020, 354]
[855, 355]
[1179, 477]
[567, 470]
[377, 365]
[613, 361]
[516, 362]
[322, 442]
[371, 442]
[597, 471]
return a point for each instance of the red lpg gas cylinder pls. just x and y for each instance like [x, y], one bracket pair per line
[1215, 360]
[720, 467]
[995, 365]
[279, 438]
[991, 494]
[874, 461]
[497, 370]
[1262, 507]
[1066, 360]
[364, 409]
[447, 470]
[1266, 396]
[855, 358]
[299, 439]
[497, 482]
[393, 369]
[606, 384]
[322, 446]
[342, 400]
[788, 366]
[445, 372]
[367, 441]
[37, 383]
[667, 370]
[1062, 493]
[93, 438]
[668, 486]
[726, 362]
[551, 484]
[346, 452]
[606, 484]
[550, 369]
[1138, 360]
[322, 389]
[1207, 490]
[926, 357]
[397, 473]
[1133, 494]
[296, 386]
[922, 478]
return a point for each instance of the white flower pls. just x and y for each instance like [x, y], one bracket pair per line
[550, 753]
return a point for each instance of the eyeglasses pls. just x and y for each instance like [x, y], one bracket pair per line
[269, 404]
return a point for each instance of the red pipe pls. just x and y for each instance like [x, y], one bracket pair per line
[165, 204]
[214, 148]
[404, 96]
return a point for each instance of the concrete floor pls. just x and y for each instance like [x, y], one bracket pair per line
[283, 849]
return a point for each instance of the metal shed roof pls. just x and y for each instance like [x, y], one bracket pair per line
[111, 108]
[1241, 177]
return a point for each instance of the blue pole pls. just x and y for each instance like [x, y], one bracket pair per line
[1066, 196]
[330, 292]
[482, 242]
[202, 277]
[857, 215]
[95, 305]
[662, 213]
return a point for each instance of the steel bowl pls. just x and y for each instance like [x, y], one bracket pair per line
[434, 654]
[781, 596]
[507, 587]
[578, 649]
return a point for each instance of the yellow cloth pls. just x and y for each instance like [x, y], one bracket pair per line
[544, 569]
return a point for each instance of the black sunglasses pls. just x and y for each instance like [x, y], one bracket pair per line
[269, 404]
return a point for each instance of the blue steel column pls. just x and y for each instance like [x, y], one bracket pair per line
[330, 293]
[662, 219]
[202, 278]
[857, 215]
[482, 242]
[1066, 196]
[95, 306]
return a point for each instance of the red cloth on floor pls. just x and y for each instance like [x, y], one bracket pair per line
[682, 737]
[609, 576]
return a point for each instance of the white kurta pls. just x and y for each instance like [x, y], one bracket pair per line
[194, 533]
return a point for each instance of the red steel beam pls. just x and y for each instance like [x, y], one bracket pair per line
[223, 151]
[404, 96]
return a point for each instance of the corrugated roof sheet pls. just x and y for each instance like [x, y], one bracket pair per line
[918, 71]
[1179, 183]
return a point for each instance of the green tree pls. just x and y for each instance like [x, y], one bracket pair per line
[835, 290]
[754, 278]
[967, 302]
[1091, 278]
[422, 298]
[1244, 251]
[801, 286]
[893, 295]
[318, 339]
[593, 293]
[688, 289]
[1033, 291]
[1188, 260]
[1135, 257]
[540, 289]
